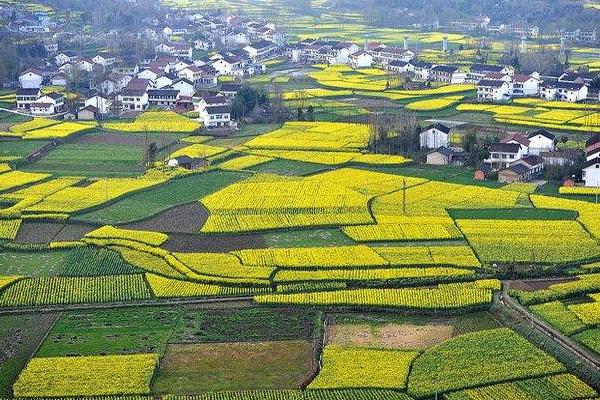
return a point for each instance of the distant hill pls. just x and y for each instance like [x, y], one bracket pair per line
[547, 14]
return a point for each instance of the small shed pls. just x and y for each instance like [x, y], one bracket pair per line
[514, 173]
[188, 162]
[482, 173]
[87, 113]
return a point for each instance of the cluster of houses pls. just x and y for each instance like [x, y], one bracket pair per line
[501, 84]
[494, 82]
[483, 23]
[516, 157]
[171, 76]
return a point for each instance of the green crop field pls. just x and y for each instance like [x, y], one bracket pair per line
[309, 250]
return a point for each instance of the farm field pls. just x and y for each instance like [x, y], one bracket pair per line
[313, 258]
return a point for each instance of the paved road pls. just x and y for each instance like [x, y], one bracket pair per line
[590, 358]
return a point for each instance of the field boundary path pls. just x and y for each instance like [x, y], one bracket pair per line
[505, 300]
[243, 300]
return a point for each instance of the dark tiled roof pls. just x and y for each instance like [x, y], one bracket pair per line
[532, 160]
[544, 133]
[439, 127]
[505, 148]
[487, 68]
[591, 141]
[218, 110]
[519, 169]
[231, 87]
[593, 161]
[27, 92]
[491, 83]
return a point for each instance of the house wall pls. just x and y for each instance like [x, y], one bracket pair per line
[433, 139]
[436, 159]
[591, 176]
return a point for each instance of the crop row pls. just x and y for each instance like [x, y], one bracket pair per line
[411, 299]
[73, 290]
[555, 387]
[86, 376]
[157, 121]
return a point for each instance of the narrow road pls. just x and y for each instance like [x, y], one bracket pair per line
[590, 358]
[245, 300]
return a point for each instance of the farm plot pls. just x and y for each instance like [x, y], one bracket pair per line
[555, 387]
[192, 368]
[14, 179]
[456, 256]
[101, 332]
[345, 367]
[98, 192]
[408, 299]
[269, 202]
[388, 335]
[46, 263]
[317, 136]
[86, 376]
[156, 121]
[479, 358]
[529, 241]
[11, 150]
[583, 285]
[245, 325]
[73, 290]
[56, 131]
[19, 336]
[139, 206]
[92, 160]
[331, 157]
[424, 215]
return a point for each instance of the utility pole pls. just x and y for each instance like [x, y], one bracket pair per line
[404, 195]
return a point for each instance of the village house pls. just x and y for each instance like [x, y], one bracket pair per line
[230, 89]
[422, 69]
[482, 70]
[59, 80]
[445, 156]
[25, 97]
[525, 85]
[400, 67]
[184, 86]
[434, 136]
[504, 154]
[87, 113]
[493, 90]
[519, 139]
[563, 91]
[101, 103]
[216, 116]
[151, 73]
[534, 163]
[103, 60]
[31, 79]
[163, 98]
[541, 141]
[187, 162]
[361, 59]
[446, 74]
[66, 57]
[590, 172]
[49, 104]
[134, 96]
[384, 55]
[164, 80]
[200, 103]
[261, 50]
[85, 64]
[514, 173]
